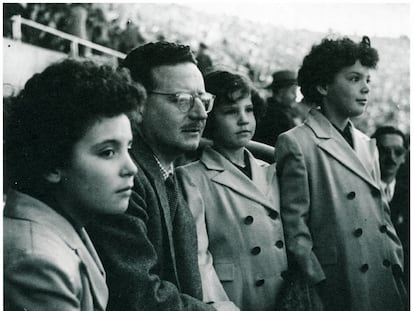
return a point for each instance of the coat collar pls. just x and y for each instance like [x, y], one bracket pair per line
[20, 205]
[360, 160]
[257, 189]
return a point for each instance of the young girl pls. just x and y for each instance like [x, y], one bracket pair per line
[235, 201]
[67, 160]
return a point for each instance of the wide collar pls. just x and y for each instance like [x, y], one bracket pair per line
[257, 189]
[22, 206]
[360, 160]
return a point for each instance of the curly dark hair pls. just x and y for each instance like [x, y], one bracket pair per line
[143, 59]
[228, 87]
[53, 112]
[326, 59]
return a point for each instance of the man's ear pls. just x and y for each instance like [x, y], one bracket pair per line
[323, 90]
[53, 176]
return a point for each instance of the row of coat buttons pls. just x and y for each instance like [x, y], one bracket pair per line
[256, 250]
[249, 219]
[396, 270]
[351, 195]
[358, 232]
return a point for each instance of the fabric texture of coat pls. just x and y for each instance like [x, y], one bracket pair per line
[46, 264]
[336, 220]
[241, 217]
[150, 252]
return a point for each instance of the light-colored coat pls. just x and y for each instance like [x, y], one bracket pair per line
[46, 264]
[336, 221]
[245, 234]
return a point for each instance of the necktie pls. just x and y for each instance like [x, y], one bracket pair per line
[172, 193]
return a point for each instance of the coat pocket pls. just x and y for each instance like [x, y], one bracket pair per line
[225, 271]
[326, 255]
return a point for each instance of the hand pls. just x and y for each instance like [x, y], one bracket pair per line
[225, 306]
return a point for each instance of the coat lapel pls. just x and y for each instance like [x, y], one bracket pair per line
[144, 157]
[36, 211]
[358, 161]
[257, 189]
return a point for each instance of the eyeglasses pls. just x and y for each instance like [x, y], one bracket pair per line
[185, 101]
[398, 151]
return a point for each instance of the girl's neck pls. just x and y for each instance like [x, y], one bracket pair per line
[235, 156]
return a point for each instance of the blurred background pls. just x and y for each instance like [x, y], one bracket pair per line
[250, 37]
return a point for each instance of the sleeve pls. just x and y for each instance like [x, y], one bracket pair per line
[131, 261]
[295, 205]
[213, 290]
[36, 282]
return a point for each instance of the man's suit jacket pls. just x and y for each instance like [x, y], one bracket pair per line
[46, 264]
[239, 225]
[150, 252]
[336, 220]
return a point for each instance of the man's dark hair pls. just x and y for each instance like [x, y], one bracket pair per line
[54, 110]
[143, 59]
[384, 130]
[326, 59]
[228, 87]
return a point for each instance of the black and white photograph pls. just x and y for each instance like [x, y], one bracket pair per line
[206, 156]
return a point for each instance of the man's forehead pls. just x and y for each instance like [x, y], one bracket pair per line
[390, 139]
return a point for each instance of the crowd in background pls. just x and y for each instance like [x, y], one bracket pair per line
[248, 47]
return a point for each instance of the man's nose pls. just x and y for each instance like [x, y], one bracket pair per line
[198, 111]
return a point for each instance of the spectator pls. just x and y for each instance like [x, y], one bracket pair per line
[204, 61]
[150, 253]
[67, 161]
[395, 182]
[235, 201]
[280, 114]
[337, 223]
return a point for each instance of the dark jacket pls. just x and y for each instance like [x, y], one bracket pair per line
[150, 253]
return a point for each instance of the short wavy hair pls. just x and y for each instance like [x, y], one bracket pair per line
[326, 59]
[228, 87]
[53, 112]
[143, 59]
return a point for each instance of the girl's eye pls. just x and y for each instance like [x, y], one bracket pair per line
[231, 111]
[249, 109]
[109, 153]
[354, 79]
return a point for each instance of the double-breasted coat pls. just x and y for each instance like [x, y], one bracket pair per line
[150, 252]
[336, 220]
[241, 217]
[48, 265]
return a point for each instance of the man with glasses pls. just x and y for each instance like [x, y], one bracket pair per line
[395, 181]
[150, 253]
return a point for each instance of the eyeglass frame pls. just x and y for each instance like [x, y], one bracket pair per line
[192, 100]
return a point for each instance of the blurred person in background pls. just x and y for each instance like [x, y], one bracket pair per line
[150, 252]
[67, 160]
[395, 182]
[203, 58]
[280, 114]
[337, 222]
[235, 201]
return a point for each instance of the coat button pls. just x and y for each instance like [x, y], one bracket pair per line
[364, 268]
[351, 195]
[273, 214]
[358, 232]
[256, 250]
[383, 229]
[248, 220]
[259, 282]
[279, 244]
[386, 263]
